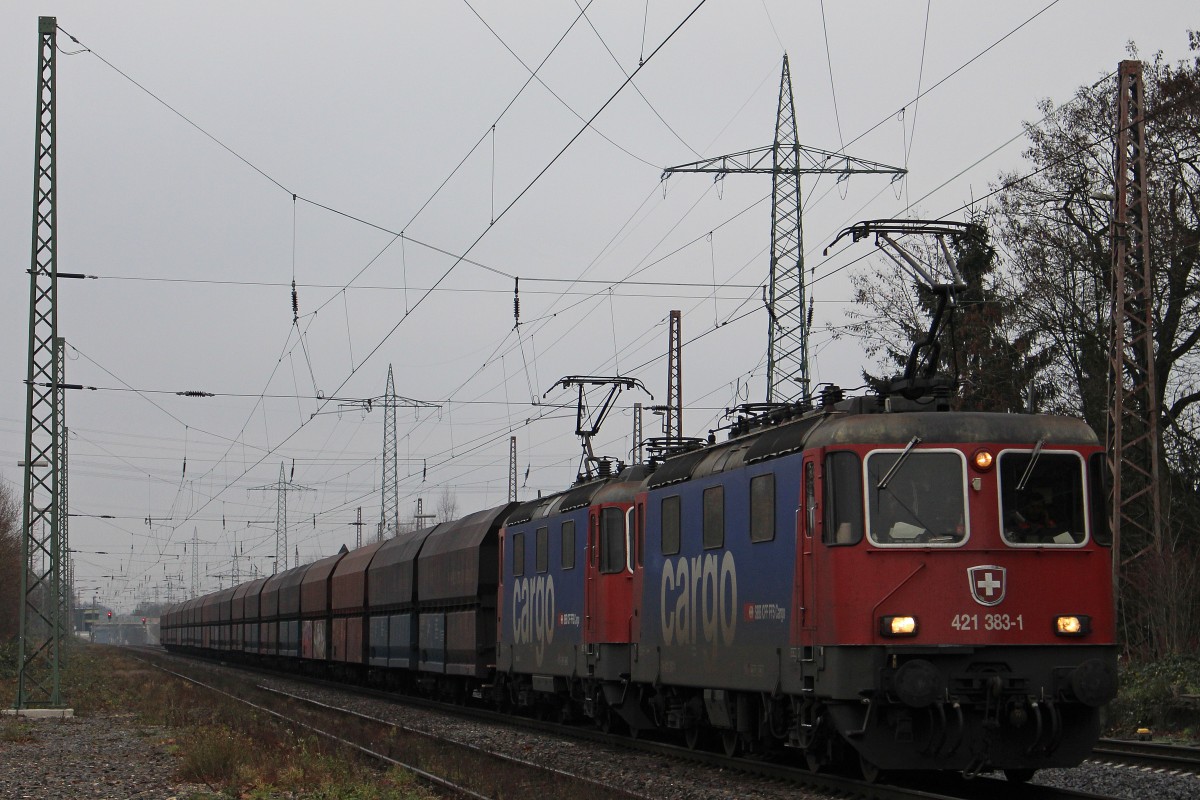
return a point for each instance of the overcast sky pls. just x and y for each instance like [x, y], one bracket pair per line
[364, 111]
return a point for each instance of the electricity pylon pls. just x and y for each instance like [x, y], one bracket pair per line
[389, 516]
[788, 319]
[281, 487]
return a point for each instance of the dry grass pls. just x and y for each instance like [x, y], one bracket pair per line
[235, 750]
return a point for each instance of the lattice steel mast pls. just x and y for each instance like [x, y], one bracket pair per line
[39, 647]
[1133, 413]
[674, 421]
[389, 515]
[788, 323]
[512, 469]
[281, 487]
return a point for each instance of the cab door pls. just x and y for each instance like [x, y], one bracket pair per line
[609, 574]
[808, 522]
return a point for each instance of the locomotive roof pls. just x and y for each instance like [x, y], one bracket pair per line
[865, 421]
[584, 494]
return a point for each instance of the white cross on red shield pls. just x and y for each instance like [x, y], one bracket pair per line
[987, 583]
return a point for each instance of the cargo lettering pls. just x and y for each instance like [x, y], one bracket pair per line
[533, 615]
[698, 600]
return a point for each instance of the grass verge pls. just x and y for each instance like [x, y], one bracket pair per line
[234, 750]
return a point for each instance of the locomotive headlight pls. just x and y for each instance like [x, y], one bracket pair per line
[1073, 625]
[898, 626]
[983, 460]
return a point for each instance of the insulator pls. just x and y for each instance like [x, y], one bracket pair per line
[185, 465]
[516, 301]
[195, 393]
[295, 303]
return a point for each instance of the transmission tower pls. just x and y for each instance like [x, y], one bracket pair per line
[281, 488]
[420, 517]
[195, 562]
[389, 516]
[358, 525]
[1133, 413]
[512, 469]
[41, 623]
[788, 322]
[674, 421]
[636, 454]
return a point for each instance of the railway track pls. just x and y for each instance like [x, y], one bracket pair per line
[1151, 756]
[452, 767]
[552, 782]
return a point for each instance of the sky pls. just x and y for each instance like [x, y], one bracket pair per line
[398, 163]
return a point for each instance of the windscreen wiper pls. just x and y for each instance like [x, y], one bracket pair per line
[1033, 459]
[883, 482]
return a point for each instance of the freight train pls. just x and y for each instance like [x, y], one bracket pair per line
[879, 580]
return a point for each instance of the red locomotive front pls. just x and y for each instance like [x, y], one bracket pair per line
[955, 610]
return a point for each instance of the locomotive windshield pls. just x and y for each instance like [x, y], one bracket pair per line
[1042, 505]
[922, 502]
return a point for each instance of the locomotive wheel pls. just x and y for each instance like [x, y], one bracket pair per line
[870, 772]
[691, 737]
[1019, 775]
[731, 742]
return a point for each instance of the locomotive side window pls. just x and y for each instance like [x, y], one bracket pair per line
[1101, 485]
[641, 533]
[670, 525]
[714, 517]
[917, 500]
[568, 544]
[1041, 498]
[843, 499]
[541, 552]
[762, 508]
[518, 553]
[612, 540]
[810, 498]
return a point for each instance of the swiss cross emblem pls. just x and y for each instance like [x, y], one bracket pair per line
[987, 584]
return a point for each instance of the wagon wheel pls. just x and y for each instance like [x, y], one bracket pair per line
[870, 772]
[731, 742]
[1019, 775]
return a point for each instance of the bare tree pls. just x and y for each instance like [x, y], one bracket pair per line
[10, 561]
[447, 507]
[1054, 224]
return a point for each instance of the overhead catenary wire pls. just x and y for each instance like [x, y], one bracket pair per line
[610, 294]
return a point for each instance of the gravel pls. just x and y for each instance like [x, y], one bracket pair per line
[1133, 783]
[112, 757]
[665, 779]
[107, 757]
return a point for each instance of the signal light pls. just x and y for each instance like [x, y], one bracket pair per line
[110, 615]
[983, 460]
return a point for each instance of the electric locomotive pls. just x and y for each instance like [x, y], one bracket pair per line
[879, 580]
[869, 582]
